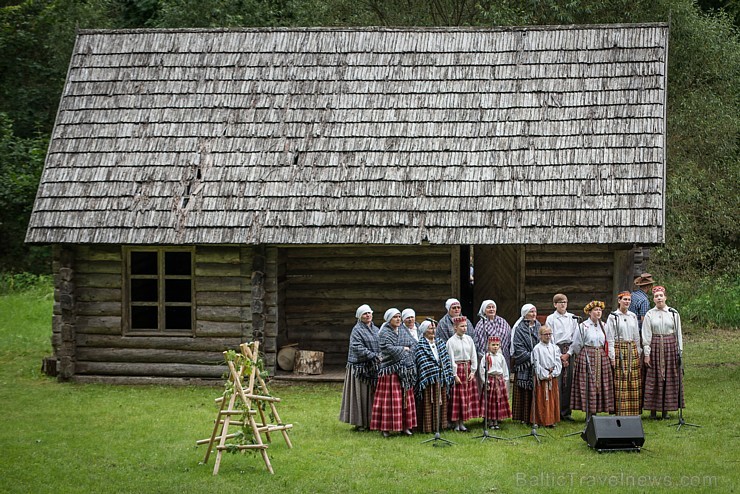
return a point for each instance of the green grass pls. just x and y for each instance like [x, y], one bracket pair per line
[94, 438]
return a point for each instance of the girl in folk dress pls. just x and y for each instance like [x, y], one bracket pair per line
[623, 341]
[663, 346]
[592, 390]
[464, 359]
[547, 367]
[495, 399]
[394, 408]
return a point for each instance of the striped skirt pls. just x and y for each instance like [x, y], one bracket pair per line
[661, 379]
[547, 403]
[432, 409]
[600, 382]
[627, 390]
[394, 408]
[521, 404]
[497, 407]
[357, 401]
[464, 404]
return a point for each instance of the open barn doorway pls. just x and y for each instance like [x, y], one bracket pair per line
[498, 277]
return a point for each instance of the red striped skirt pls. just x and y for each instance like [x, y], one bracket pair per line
[600, 382]
[394, 408]
[464, 404]
[547, 403]
[498, 399]
[627, 392]
[661, 379]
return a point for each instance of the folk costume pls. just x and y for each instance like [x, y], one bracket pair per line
[414, 328]
[623, 342]
[547, 367]
[589, 340]
[487, 328]
[434, 383]
[563, 326]
[394, 408]
[526, 336]
[363, 361]
[663, 343]
[496, 369]
[464, 359]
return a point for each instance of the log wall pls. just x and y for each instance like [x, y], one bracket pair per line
[321, 287]
[99, 349]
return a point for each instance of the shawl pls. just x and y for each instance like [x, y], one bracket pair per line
[430, 371]
[525, 338]
[496, 327]
[395, 360]
[364, 353]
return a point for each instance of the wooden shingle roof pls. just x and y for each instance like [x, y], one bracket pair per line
[314, 136]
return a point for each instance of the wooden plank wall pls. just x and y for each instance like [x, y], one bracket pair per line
[582, 272]
[321, 287]
[497, 278]
[223, 318]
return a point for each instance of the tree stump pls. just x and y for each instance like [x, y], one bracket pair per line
[286, 357]
[308, 362]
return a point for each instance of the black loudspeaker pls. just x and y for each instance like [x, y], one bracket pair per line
[615, 433]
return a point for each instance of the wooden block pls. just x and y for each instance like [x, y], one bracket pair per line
[308, 362]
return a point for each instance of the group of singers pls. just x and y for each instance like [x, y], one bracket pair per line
[436, 375]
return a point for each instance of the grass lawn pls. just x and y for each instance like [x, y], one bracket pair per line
[61, 438]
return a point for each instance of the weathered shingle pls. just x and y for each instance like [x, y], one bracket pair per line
[292, 136]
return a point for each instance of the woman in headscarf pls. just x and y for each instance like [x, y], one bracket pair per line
[623, 343]
[663, 347]
[434, 379]
[408, 316]
[525, 335]
[361, 377]
[491, 325]
[394, 408]
[592, 390]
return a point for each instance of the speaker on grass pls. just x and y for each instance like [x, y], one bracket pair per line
[615, 433]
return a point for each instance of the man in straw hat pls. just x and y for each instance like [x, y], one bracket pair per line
[640, 302]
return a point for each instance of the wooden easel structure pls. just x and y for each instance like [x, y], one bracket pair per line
[241, 408]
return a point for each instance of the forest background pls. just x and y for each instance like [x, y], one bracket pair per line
[700, 258]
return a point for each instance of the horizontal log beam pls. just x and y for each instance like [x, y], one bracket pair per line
[149, 369]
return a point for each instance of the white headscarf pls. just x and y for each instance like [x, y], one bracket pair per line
[390, 313]
[362, 309]
[407, 313]
[449, 303]
[525, 310]
[424, 326]
[484, 305]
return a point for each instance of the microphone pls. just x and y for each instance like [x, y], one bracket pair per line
[671, 309]
[577, 318]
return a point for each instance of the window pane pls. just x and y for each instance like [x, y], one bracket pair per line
[177, 318]
[144, 290]
[177, 291]
[143, 262]
[144, 318]
[177, 262]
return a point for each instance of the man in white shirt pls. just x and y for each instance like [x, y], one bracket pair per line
[563, 323]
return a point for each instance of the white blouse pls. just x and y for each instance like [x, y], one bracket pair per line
[462, 348]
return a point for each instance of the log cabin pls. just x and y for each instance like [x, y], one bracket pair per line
[205, 187]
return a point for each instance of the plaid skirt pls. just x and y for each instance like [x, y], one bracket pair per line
[547, 403]
[497, 407]
[432, 408]
[394, 408]
[600, 382]
[627, 390]
[464, 404]
[661, 379]
[521, 404]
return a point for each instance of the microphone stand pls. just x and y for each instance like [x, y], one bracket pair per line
[485, 435]
[588, 385]
[435, 440]
[532, 413]
[681, 421]
[618, 334]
